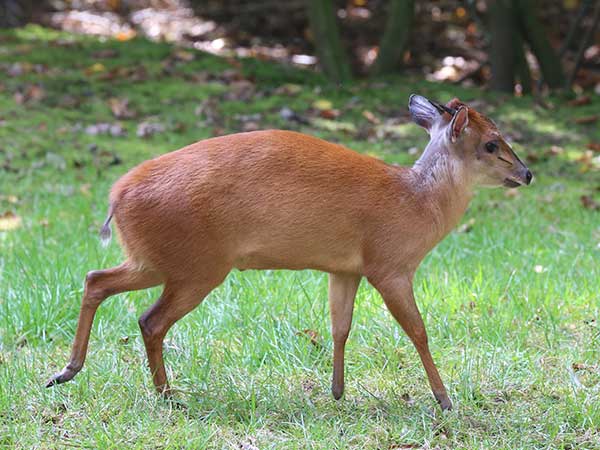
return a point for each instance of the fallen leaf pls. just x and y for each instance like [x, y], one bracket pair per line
[587, 161]
[288, 89]
[582, 366]
[371, 117]
[467, 226]
[94, 69]
[312, 335]
[120, 108]
[322, 104]
[586, 120]
[580, 101]
[125, 35]
[183, 55]
[9, 221]
[31, 94]
[595, 146]
[589, 203]
[329, 113]
[132, 73]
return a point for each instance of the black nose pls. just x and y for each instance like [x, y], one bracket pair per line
[528, 176]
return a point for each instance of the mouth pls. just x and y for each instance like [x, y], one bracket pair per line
[511, 183]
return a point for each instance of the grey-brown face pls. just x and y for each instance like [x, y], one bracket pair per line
[498, 163]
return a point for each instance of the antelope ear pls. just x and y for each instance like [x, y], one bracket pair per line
[459, 123]
[423, 113]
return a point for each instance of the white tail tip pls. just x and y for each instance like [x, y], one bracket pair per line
[105, 235]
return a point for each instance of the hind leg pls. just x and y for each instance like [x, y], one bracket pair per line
[99, 285]
[176, 301]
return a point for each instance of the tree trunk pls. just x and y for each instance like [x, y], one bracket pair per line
[395, 36]
[502, 46]
[534, 33]
[332, 57]
[16, 13]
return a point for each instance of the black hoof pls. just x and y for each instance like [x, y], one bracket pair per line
[444, 402]
[337, 393]
[61, 377]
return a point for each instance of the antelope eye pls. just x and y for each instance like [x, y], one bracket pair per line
[491, 147]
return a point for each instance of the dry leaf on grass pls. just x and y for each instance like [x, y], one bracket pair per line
[9, 221]
[329, 113]
[595, 146]
[580, 101]
[31, 94]
[289, 89]
[588, 202]
[586, 120]
[467, 226]
[120, 108]
[322, 104]
[94, 69]
[312, 335]
[182, 55]
[371, 117]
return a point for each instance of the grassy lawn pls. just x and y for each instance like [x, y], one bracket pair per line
[511, 300]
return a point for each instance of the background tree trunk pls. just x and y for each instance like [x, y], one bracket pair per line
[323, 24]
[14, 13]
[502, 46]
[395, 36]
[536, 36]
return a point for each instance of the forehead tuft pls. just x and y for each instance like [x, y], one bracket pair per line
[481, 122]
[476, 119]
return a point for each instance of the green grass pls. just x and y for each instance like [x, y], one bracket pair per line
[517, 346]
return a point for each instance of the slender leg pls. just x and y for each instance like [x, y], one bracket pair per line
[398, 295]
[174, 303]
[99, 285]
[342, 291]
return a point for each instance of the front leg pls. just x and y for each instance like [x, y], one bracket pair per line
[342, 291]
[397, 293]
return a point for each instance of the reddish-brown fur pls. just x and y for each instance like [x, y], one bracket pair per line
[279, 200]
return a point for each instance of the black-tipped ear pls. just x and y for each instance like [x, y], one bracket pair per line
[459, 122]
[422, 111]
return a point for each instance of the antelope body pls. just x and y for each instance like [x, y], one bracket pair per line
[284, 200]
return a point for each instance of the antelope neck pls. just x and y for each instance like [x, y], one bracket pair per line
[444, 182]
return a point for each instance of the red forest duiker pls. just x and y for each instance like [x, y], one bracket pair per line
[284, 200]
